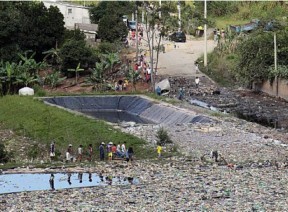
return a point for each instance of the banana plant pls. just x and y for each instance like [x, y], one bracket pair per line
[52, 55]
[77, 70]
[7, 72]
[133, 76]
[54, 79]
[30, 64]
[111, 60]
[97, 75]
[26, 78]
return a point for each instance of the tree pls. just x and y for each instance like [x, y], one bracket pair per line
[28, 26]
[104, 8]
[109, 16]
[256, 54]
[112, 28]
[74, 52]
[75, 34]
[156, 26]
[41, 28]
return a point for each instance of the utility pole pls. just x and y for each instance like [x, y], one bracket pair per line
[136, 19]
[179, 15]
[160, 8]
[275, 62]
[205, 34]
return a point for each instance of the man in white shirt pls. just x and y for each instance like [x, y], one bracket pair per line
[123, 147]
[197, 81]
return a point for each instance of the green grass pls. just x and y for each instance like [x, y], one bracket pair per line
[32, 118]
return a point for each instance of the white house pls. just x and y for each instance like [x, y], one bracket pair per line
[72, 13]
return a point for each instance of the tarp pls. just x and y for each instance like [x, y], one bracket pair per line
[134, 105]
[26, 91]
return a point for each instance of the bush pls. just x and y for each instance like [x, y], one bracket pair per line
[39, 91]
[162, 137]
[106, 47]
[33, 152]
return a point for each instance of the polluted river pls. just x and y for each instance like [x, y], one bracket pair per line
[250, 175]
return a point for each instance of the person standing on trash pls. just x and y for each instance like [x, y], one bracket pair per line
[159, 150]
[69, 154]
[102, 151]
[181, 94]
[52, 150]
[197, 81]
[129, 154]
[123, 147]
[158, 90]
[90, 152]
[109, 151]
[80, 153]
[197, 67]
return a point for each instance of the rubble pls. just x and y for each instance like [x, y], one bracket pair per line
[242, 103]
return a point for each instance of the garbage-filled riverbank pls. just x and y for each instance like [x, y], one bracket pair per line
[254, 177]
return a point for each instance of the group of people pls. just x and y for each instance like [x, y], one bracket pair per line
[80, 155]
[132, 35]
[218, 34]
[109, 151]
[143, 68]
[121, 85]
[114, 151]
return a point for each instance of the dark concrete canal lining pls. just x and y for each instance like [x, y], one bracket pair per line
[127, 108]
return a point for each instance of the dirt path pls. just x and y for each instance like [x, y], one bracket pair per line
[179, 61]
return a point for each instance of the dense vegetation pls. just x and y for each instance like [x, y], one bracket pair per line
[247, 57]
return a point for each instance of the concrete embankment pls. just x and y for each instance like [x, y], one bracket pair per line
[155, 112]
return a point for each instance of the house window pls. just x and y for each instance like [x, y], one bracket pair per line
[69, 11]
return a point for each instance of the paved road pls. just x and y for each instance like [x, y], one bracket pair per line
[179, 61]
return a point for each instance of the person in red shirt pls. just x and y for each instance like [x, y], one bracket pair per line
[133, 33]
[114, 148]
[136, 67]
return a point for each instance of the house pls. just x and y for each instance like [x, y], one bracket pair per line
[72, 13]
[90, 30]
[76, 17]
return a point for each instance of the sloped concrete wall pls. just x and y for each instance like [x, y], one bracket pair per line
[158, 113]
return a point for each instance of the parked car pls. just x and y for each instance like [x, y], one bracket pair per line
[178, 37]
[132, 25]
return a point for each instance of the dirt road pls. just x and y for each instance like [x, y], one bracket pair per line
[179, 61]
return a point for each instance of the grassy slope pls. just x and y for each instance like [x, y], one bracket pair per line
[32, 118]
